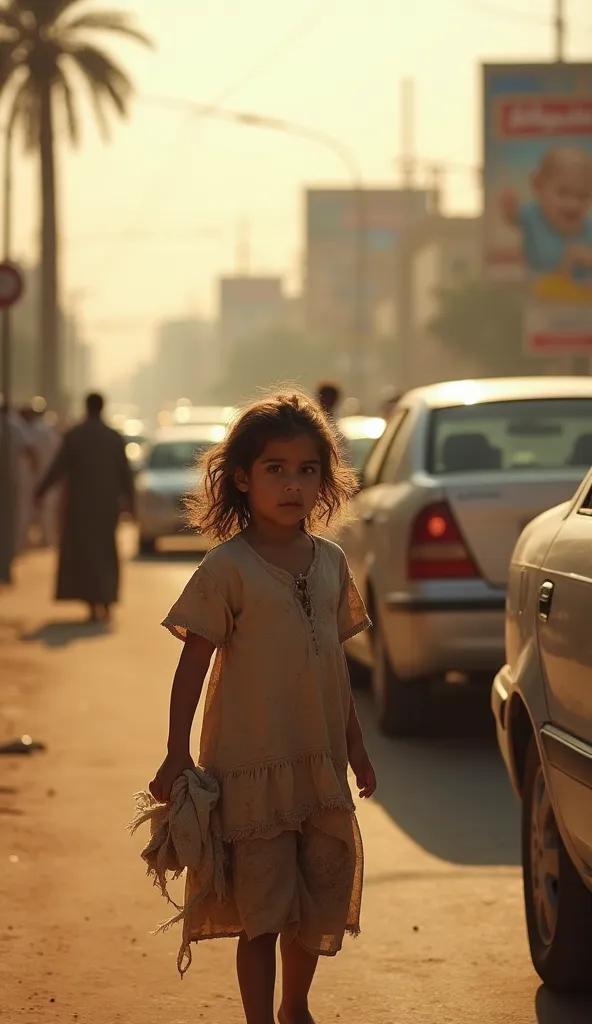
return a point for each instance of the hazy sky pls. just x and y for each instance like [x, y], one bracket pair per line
[149, 221]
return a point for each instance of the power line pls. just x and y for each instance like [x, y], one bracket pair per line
[261, 65]
[526, 17]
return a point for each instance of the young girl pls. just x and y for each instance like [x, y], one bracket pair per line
[276, 602]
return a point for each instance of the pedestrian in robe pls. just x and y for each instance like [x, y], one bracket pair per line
[93, 466]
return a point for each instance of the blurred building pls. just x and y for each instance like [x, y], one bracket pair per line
[351, 248]
[250, 306]
[186, 363]
[439, 253]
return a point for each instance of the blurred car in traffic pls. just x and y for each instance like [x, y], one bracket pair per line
[137, 443]
[542, 704]
[360, 434]
[169, 473]
[459, 471]
[201, 415]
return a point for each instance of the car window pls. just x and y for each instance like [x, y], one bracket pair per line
[177, 454]
[392, 461]
[512, 436]
[585, 507]
[380, 450]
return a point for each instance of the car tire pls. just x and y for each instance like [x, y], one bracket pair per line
[359, 675]
[557, 903]
[147, 545]
[402, 705]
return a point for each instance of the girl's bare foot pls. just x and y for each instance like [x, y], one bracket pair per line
[304, 1018]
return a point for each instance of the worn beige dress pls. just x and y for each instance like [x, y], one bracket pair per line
[274, 737]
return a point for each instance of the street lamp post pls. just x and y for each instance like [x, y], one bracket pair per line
[348, 159]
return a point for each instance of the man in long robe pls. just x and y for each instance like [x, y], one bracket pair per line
[98, 486]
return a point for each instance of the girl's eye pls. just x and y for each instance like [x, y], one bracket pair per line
[274, 468]
[308, 470]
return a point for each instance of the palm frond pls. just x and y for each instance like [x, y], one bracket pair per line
[8, 64]
[117, 22]
[45, 12]
[106, 80]
[27, 113]
[11, 22]
[64, 91]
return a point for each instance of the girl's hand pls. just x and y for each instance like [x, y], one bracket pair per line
[171, 768]
[363, 770]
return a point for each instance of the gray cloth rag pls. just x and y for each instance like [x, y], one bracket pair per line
[184, 833]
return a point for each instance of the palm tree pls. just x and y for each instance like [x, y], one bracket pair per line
[41, 43]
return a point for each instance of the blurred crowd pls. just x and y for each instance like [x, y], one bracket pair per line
[35, 439]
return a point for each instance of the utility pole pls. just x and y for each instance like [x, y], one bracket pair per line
[560, 28]
[408, 166]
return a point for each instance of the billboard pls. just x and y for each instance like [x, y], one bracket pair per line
[537, 171]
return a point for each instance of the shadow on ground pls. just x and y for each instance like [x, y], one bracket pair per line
[557, 1009]
[449, 792]
[62, 632]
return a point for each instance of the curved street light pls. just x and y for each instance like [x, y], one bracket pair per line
[349, 161]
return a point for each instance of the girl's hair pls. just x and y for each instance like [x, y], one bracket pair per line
[219, 509]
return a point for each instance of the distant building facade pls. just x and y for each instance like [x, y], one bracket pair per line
[442, 252]
[250, 306]
[352, 238]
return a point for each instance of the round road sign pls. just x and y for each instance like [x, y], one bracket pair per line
[11, 284]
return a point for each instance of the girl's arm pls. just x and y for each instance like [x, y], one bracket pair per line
[186, 691]
[353, 731]
[360, 763]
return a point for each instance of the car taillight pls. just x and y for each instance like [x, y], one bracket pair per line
[436, 547]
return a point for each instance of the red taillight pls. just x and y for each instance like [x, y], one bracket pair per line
[436, 547]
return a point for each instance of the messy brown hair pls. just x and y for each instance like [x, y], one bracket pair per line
[220, 510]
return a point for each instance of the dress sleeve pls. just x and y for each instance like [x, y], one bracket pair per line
[352, 616]
[201, 609]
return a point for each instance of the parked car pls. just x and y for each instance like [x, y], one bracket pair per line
[169, 473]
[542, 703]
[360, 433]
[459, 471]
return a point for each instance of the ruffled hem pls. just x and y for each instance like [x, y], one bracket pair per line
[259, 799]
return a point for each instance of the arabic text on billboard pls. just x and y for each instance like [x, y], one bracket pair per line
[538, 196]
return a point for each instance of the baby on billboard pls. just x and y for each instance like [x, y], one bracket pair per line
[556, 221]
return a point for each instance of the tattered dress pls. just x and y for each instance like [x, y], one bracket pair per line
[274, 738]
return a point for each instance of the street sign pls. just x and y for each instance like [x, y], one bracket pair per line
[11, 284]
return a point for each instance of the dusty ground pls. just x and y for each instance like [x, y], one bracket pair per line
[443, 935]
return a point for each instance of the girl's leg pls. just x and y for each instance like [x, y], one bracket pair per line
[255, 965]
[298, 969]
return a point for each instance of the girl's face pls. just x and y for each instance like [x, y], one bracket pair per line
[283, 483]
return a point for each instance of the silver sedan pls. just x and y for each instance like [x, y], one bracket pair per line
[170, 472]
[459, 471]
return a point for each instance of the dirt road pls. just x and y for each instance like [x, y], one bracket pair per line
[443, 935]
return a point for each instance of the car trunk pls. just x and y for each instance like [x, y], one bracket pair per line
[492, 513]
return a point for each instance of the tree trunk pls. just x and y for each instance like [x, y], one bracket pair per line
[48, 306]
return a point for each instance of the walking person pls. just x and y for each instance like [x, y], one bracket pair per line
[275, 602]
[98, 486]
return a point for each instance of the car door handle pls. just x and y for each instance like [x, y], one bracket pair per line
[545, 600]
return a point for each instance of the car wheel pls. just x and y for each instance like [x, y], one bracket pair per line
[558, 905]
[147, 545]
[359, 675]
[402, 705]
